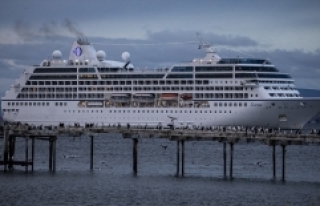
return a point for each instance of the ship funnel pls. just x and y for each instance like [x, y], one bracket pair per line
[82, 50]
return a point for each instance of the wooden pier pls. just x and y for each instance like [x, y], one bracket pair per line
[231, 136]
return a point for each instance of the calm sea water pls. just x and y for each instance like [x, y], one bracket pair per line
[112, 182]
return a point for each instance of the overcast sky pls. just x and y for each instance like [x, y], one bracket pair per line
[160, 33]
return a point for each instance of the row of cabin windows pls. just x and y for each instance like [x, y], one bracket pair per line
[47, 96]
[59, 96]
[134, 82]
[36, 103]
[284, 95]
[62, 70]
[175, 69]
[223, 95]
[145, 82]
[160, 76]
[49, 89]
[74, 89]
[278, 88]
[28, 104]
[148, 111]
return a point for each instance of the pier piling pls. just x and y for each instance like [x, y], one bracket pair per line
[182, 158]
[135, 155]
[32, 153]
[26, 153]
[50, 154]
[224, 160]
[231, 160]
[91, 152]
[283, 161]
[178, 158]
[54, 152]
[5, 148]
[11, 147]
[274, 160]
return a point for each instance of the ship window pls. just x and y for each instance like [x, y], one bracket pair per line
[261, 69]
[245, 75]
[84, 70]
[210, 69]
[34, 103]
[180, 76]
[214, 75]
[182, 69]
[279, 76]
[283, 118]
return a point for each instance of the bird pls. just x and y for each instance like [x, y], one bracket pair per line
[164, 146]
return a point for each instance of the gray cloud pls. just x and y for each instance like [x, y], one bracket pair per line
[48, 30]
[72, 28]
[162, 49]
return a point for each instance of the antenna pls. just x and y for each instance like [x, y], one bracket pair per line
[200, 38]
[202, 43]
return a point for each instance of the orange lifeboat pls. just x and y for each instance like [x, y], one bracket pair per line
[169, 96]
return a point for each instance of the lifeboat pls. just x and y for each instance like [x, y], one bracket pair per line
[186, 97]
[120, 97]
[169, 96]
[143, 97]
[94, 104]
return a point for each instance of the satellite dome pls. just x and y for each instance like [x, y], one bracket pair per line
[44, 62]
[125, 56]
[56, 54]
[101, 55]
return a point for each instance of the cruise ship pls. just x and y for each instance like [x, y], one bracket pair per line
[205, 92]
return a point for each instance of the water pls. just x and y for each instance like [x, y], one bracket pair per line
[112, 181]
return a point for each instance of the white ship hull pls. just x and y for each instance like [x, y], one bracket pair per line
[290, 114]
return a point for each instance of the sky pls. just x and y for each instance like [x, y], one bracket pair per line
[160, 33]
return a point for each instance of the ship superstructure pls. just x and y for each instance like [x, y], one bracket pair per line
[210, 91]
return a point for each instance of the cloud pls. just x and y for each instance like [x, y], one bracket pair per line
[47, 30]
[161, 49]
